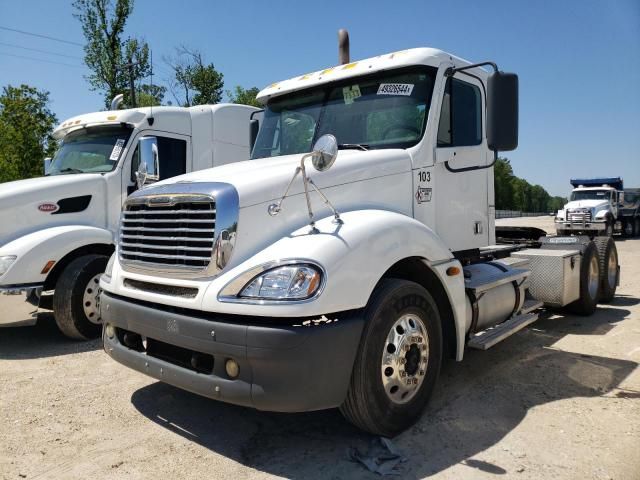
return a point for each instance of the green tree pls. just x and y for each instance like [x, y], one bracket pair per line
[150, 95]
[244, 96]
[114, 61]
[26, 125]
[193, 81]
[503, 184]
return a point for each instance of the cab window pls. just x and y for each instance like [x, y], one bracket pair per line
[461, 115]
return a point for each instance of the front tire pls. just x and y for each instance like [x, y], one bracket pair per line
[75, 306]
[589, 282]
[608, 257]
[398, 360]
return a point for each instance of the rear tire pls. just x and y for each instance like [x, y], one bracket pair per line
[589, 282]
[75, 298]
[398, 360]
[608, 257]
[629, 228]
[636, 231]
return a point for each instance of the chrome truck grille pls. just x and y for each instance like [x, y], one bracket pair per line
[579, 216]
[181, 234]
[172, 231]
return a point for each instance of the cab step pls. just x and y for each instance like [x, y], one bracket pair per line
[488, 338]
[530, 304]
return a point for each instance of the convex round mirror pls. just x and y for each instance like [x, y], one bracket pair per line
[324, 152]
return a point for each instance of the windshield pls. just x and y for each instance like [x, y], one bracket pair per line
[93, 150]
[384, 110]
[590, 195]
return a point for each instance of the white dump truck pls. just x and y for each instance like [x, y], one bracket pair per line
[592, 208]
[58, 231]
[352, 254]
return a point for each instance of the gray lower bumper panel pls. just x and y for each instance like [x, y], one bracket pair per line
[282, 367]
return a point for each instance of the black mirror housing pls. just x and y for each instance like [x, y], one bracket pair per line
[502, 111]
[254, 126]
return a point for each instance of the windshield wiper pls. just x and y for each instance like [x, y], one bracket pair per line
[353, 146]
[70, 170]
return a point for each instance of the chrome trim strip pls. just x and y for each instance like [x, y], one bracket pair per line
[229, 293]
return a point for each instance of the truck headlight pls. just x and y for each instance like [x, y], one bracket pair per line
[600, 214]
[106, 276]
[6, 262]
[290, 282]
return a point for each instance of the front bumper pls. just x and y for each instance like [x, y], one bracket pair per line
[579, 226]
[283, 368]
[19, 305]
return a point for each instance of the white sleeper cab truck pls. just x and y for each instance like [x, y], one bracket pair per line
[57, 232]
[592, 208]
[353, 253]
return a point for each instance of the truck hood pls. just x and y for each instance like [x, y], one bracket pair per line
[586, 204]
[29, 205]
[263, 180]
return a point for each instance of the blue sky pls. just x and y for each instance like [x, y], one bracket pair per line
[578, 60]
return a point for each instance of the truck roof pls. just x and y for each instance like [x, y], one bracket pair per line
[133, 116]
[614, 182]
[414, 56]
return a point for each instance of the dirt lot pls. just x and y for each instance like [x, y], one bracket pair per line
[560, 399]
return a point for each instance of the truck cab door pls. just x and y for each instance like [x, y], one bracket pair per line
[463, 213]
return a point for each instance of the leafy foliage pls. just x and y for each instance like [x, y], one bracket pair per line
[26, 125]
[244, 96]
[193, 82]
[150, 95]
[513, 193]
[107, 52]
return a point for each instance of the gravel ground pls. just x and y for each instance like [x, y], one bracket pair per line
[560, 399]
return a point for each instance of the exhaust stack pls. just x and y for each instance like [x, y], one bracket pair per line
[117, 100]
[343, 46]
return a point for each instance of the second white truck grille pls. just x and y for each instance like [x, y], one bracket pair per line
[179, 235]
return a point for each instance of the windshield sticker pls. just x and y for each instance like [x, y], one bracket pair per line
[115, 153]
[395, 89]
[351, 93]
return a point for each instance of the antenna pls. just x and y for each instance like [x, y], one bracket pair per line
[150, 120]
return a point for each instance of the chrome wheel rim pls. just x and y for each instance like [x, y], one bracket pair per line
[91, 300]
[612, 268]
[593, 277]
[404, 358]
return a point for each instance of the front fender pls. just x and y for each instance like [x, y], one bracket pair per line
[36, 249]
[354, 255]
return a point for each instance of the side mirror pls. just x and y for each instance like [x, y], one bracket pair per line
[254, 126]
[149, 167]
[324, 152]
[502, 111]
[47, 165]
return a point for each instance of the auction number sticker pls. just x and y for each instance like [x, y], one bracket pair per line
[117, 148]
[395, 89]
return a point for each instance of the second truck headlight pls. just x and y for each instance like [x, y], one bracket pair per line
[291, 282]
[6, 262]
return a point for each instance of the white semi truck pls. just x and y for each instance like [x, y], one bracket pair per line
[592, 208]
[58, 231]
[378, 261]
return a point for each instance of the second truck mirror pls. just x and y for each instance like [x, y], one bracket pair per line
[254, 126]
[502, 111]
[149, 168]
